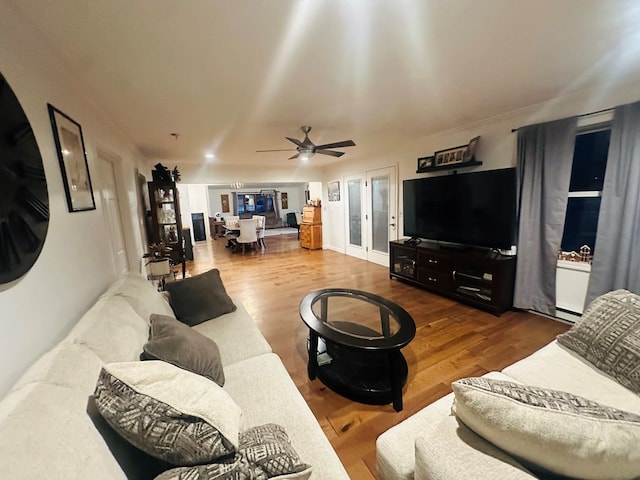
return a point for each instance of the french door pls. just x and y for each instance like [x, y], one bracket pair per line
[371, 212]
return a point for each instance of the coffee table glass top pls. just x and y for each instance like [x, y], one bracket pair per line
[357, 318]
[355, 315]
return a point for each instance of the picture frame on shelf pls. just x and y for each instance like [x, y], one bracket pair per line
[72, 156]
[470, 153]
[450, 156]
[424, 164]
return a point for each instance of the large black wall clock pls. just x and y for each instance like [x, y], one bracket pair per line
[24, 199]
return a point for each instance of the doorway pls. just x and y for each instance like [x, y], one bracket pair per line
[370, 214]
[111, 210]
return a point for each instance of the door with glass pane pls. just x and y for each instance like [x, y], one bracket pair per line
[355, 215]
[381, 211]
[371, 214]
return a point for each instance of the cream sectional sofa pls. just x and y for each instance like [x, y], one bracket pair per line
[46, 432]
[435, 444]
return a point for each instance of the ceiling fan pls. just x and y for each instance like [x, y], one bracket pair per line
[306, 148]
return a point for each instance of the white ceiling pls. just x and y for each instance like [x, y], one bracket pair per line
[236, 76]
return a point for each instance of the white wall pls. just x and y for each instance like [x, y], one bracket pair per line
[193, 199]
[72, 271]
[497, 148]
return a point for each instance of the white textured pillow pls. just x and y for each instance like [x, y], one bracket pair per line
[558, 431]
[170, 413]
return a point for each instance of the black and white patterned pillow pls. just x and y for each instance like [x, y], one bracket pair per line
[264, 452]
[170, 413]
[608, 336]
[557, 431]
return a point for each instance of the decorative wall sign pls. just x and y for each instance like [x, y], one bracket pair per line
[24, 198]
[284, 198]
[333, 191]
[462, 156]
[73, 161]
[224, 199]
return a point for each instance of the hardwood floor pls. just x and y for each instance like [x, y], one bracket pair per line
[452, 340]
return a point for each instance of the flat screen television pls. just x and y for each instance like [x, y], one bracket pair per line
[473, 209]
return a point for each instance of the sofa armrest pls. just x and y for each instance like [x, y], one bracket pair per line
[451, 451]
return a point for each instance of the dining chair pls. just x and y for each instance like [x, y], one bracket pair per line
[292, 222]
[248, 234]
[261, 222]
[231, 230]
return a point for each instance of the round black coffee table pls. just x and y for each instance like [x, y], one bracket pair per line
[355, 339]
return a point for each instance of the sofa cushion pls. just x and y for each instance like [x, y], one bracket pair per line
[559, 368]
[395, 448]
[182, 346]
[266, 394]
[199, 298]
[558, 431]
[227, 329]
[45, 433]
[141, 295]
[67, 364]
[168, 412]
[608, 336]
[448, 449]
[264, 452]
[112, 329]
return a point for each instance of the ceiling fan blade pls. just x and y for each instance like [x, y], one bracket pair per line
[330, 152]
[295, 156]
[345, 143]
[280, 150]
[296, 141]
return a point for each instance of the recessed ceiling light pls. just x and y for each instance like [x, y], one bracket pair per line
[209, 155]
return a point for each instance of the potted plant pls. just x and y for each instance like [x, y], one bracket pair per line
[158, 255]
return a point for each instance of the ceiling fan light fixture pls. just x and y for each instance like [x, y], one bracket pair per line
[305, 155]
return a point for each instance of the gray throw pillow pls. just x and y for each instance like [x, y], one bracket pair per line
[170, 413]
[608, 336]
[200, 298]
[264, 452]
[180, 345]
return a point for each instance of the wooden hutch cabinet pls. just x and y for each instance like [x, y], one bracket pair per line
[311, 228]
[166, 225]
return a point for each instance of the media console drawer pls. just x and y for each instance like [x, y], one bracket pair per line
[435, 279]
[434, 260]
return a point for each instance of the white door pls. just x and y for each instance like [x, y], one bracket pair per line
[371, 212]
[356, 231]
[111, 211]
[381, 213]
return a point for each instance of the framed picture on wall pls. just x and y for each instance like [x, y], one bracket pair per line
[73, 161]
[284, 198]
[224, 199]
[333, 191]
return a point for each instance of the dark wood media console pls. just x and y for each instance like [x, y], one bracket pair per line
[480, 278]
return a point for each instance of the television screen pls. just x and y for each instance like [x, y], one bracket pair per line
[476, 209]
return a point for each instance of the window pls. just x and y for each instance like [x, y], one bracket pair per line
[585, 189]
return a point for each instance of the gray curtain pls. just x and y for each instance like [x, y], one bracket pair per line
[616, 260]
[545, 154]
